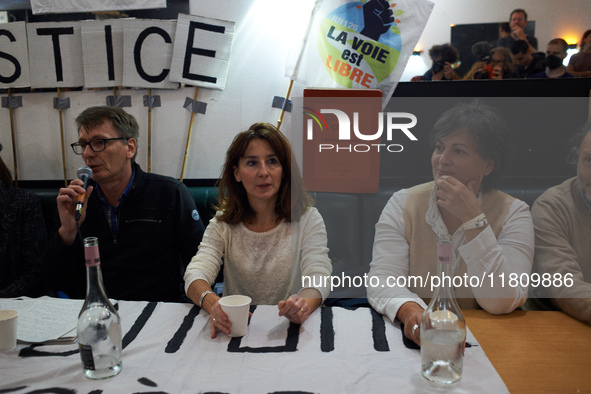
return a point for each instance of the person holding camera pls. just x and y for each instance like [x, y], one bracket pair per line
[444, 57]
[498, 66]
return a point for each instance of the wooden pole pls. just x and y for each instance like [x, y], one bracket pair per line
[13, 134]
[149, 130]
[63, 138]
[189, 136]
[283, 109]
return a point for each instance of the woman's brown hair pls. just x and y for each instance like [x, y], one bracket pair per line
[292, 199]
[5, 175]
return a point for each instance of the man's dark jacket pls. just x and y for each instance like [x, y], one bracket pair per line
[159, 232]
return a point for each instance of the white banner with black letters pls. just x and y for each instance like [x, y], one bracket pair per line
[167, 348]
[65, 6]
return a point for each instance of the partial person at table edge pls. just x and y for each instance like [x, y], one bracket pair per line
[579, 64]
[492, 232]
[562, 223]
[266, 233]
[23, 239]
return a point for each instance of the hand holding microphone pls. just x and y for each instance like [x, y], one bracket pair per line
[70, 203]
[84, 173]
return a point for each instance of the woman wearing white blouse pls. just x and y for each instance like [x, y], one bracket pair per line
[266, 233]
[492, 232]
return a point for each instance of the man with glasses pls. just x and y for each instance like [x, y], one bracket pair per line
[147, 224]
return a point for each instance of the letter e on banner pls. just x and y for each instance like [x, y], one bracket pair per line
[55, 54]
[147, 53]
[102, 51]
[14, 58]
[201, 54]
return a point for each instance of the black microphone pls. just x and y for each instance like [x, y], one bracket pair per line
[84, 173]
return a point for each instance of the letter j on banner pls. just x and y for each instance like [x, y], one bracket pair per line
[359, 44]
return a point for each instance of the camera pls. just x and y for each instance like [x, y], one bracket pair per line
[438, 66]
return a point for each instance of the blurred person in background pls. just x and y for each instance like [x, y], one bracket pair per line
[579, 64]
[504, 31]
[444, 57]
[517, 23]
[500, 65]
[555, 55]
[527, 63]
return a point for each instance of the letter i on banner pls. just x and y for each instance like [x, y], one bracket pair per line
[200, 58]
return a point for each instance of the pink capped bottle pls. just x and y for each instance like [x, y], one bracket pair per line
[99, 328]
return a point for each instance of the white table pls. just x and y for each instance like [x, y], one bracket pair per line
[167, 348]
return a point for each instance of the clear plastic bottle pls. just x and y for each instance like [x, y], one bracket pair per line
[443, 327]
[99, 328]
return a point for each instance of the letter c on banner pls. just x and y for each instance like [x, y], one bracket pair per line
[137, 50]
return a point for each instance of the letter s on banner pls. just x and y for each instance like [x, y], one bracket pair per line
[13, 48]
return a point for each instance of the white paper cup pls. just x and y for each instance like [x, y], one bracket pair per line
[237, 308]
[8, 321]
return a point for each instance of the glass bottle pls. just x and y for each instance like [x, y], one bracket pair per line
[443, 328]
[99, 328]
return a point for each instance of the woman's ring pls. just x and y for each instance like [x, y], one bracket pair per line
[213, 321]
[414, 328]
[302, 309]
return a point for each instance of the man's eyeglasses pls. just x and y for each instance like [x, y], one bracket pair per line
[97, 145]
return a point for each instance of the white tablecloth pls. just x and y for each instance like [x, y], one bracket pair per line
[167, 348]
